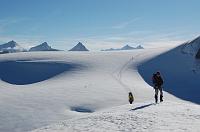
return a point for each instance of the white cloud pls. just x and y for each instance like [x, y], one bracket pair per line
[125, 24]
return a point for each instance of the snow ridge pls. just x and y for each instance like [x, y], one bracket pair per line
[191, 47]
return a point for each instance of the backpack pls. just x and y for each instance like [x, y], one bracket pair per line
[154, 78]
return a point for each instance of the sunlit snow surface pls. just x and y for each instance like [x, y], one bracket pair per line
[86, 91]
[141, 117]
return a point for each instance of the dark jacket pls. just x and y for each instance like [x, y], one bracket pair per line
[158, 80]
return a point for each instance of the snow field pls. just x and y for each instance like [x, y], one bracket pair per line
[139, 117]
[90, 97]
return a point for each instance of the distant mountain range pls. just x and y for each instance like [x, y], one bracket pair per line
[12, 46]
[79, 47]
[42, 47]
[190, 47]
[126, 47]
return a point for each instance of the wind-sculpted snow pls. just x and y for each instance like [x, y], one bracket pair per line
[28, 72]
[180, 72]
[139, 117]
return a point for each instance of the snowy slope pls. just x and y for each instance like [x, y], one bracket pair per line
[191, 47]
[93, 85]
[89, 82]
[180, 68]
[42, 47]
[141, 117]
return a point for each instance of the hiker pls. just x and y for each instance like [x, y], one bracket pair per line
[130, 96]
[158, 82]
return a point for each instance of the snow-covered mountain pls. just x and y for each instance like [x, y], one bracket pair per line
[42, 47]
[110, 49]
[126, 47]
[79, 47]
[11, 46]
[139, 47]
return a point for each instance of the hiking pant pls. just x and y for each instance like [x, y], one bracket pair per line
[158, 88]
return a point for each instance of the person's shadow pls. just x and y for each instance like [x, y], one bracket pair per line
[141, 107]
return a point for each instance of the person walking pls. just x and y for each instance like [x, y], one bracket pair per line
[158, 82]
[131, 98]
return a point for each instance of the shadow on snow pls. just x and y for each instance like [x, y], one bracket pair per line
[81, 109]
[27, 72]
[176, 69]
[141, 107]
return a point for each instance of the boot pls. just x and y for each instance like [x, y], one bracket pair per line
[161, 98]
[156, 98]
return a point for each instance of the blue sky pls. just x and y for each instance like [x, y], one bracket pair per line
[99, 24]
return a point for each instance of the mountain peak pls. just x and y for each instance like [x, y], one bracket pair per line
[11, 46]
[45, 44]
[80, 43]
[12, 43]
[127, 47]
[139, 47]
[79, 47]
[42, 47]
